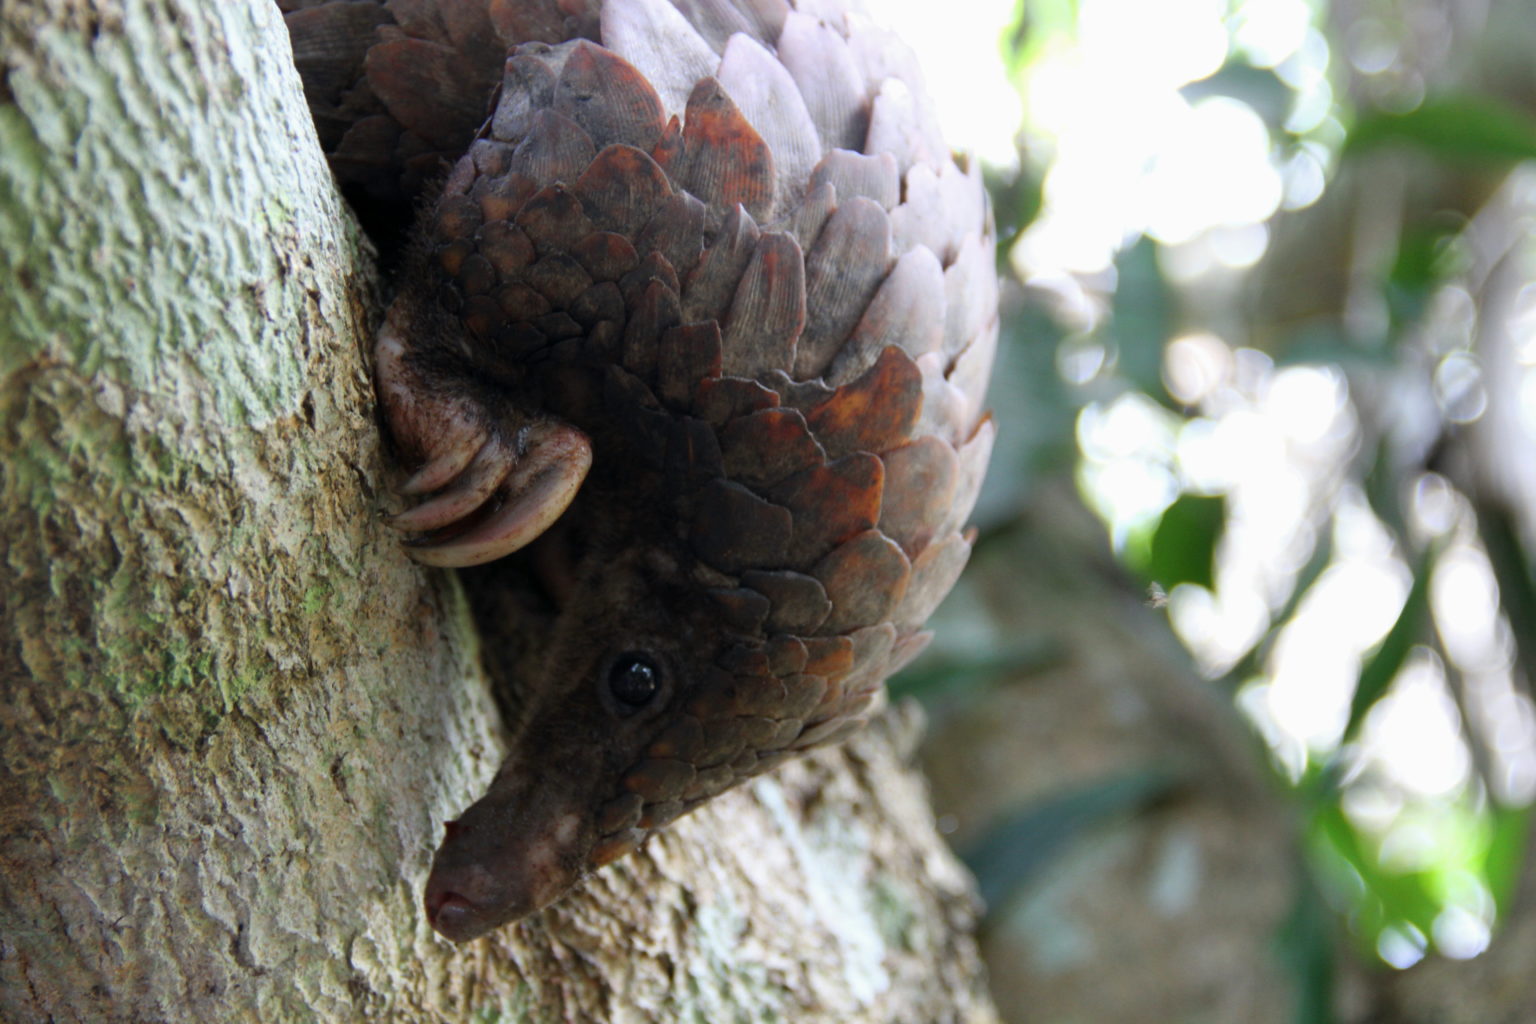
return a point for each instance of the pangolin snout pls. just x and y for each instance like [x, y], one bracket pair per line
[499, 862]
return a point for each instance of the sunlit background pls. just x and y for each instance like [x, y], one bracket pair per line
[1278, 254]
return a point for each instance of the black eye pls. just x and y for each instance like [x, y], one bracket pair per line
[633, 679]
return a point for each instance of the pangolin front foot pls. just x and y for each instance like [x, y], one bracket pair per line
[491, 483]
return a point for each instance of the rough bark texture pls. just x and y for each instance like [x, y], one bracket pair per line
[234, 713]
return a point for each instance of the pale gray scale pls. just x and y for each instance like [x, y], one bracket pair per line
[554, 148]
[882, 55]
[718, 20]
[904, 125]
[823, 68]
[662, 44]
[859, 174]
[528, 85]
[946, 409]
[766, 16]
[934, 573]
[973, 467]
[768, 311]
[919, 220]
[767, 96]
[920, 481]
[808, 217]
[865, 577]
[970, 289]
[907, 311]
[972, 369]
[851, 257]
[872, 646]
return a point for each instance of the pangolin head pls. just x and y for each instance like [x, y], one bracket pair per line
[657, 694]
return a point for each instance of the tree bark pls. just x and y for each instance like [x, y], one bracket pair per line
[235, 714]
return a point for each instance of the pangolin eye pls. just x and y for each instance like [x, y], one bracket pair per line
[633, 679]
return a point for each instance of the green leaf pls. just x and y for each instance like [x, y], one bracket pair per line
[1382, 667]
[1305, 944]
[1383, 489]
[1183, 547]
[1016, 200]
[1023, 843]
[1427, 255]
[1259, 88]
[1462, 127]
[1143, 319]
[1505, 857]
[1512, 569]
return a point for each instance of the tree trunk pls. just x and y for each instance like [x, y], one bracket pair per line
[235, 714]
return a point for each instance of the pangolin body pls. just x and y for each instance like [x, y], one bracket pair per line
[707, 287]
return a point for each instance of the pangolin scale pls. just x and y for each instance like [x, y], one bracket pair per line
[704, 286]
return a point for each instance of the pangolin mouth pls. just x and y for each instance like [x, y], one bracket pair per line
[497, 865]
[455, 917]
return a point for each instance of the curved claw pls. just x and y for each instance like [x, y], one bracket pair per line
[444, 429]
[479, 481]
[540, 487]
[448, 464]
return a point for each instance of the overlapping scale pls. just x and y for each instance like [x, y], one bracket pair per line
[744, 211]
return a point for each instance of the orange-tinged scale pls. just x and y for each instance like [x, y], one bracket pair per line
[612, 102]
[767, 446]
[690, 353]
[865, 577]
[657, 815]
[451, 257]
[613, 847]
[503, 197]
[622, 812]
[457, 218]
[724, 161]
[668, 151]
[683, 739]
[831, 503]
[875, 412]
[658, 779]
[505, 245]
[605, 255]
[424, 86]
[828, 656]
[621, 189]
[554, 220]
[920, 482]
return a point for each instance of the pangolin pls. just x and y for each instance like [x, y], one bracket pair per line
[701, 282]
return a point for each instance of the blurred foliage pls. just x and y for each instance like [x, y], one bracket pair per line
[1446, 135]
[1459, 128]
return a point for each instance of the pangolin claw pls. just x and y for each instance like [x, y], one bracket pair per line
[448, 464]
[473, 487]
[539, 487]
